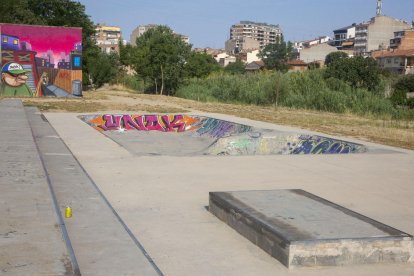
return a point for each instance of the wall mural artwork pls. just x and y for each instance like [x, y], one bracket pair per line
[40, 60]
[224, 137]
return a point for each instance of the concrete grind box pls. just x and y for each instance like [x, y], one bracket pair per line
[303, 230]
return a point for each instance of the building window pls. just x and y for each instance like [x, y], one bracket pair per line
[388, 60]
[15, 42]
[5, 39]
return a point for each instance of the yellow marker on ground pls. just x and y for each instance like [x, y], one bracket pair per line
[68, 212]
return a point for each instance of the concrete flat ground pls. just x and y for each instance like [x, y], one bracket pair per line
[162, 199]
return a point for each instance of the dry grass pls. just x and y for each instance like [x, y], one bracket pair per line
[393, 133]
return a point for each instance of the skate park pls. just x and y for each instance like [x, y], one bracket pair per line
[140, 199]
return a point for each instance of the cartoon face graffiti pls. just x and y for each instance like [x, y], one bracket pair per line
[13, 80]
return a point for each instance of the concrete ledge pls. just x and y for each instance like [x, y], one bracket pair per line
[303, 230]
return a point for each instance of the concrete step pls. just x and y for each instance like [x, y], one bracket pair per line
[303, 230]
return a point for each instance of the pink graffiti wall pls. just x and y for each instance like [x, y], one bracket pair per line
[39, 60]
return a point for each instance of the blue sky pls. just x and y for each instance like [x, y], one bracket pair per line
[207, 23]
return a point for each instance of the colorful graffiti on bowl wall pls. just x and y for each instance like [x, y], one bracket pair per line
[40, 60]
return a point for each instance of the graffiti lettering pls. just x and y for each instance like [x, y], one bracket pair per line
[321, 145]
[164, 123]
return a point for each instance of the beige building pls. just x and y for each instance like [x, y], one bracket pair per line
[403, 40]
[316, 53]
[262, 32]
[241, 44]
[376, 34]
[108, 38]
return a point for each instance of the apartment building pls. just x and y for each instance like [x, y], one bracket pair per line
[262, 32]
[300, 45]
[403, 40]
[400, 57]
[344, 37]
[108, 37]
[377, 33]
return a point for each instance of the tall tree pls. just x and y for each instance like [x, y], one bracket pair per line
[275, 56]
[200, 65]
[334, 56]
[160, 55]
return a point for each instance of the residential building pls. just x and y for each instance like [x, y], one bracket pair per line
[344, 36]
[317, 53]
[297, 65]
[262, 32]
[224, 59]
[403, 40]
[108, 37]
[241, 44]
[397, 61]
[298, 46]
[138, 31]
[252, 56]
[377, 33]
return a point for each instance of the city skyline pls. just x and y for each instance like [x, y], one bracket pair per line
[208, 23]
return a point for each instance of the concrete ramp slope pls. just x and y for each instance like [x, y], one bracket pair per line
[183, 135]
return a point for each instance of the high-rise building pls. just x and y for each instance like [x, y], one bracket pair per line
[376, 34]
[108, 37]
[262, 32]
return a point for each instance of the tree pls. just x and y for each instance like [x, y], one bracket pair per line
[335, 56]
[54, 13]
[200, 65]
[359, 72]
[275, 56]
[160, 55]
[106, 68]
[237, 67]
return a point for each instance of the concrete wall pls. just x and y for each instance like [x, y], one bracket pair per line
[316, 53]
[381, 30]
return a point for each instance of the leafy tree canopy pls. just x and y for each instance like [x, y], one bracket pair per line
[200, 65]
[275, 56]
[237, 67]
[359, 72]
[160, 56]
[334, 56]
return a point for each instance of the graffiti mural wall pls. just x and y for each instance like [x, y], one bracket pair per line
[214, 136]
[40, 60]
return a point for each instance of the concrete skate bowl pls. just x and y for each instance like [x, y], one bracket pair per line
[186, 135]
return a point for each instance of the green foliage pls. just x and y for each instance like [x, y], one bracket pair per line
[404, 85]
[335, 56]
[358, 72]
[200, 65]
[275, 56]
[306, 90]
[237, 67]
[105, 69]
[160, 56]
[54, 13]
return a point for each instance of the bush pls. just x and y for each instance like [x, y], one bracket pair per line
[306, 90]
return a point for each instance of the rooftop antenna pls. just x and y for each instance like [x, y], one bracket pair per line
[379, 7]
